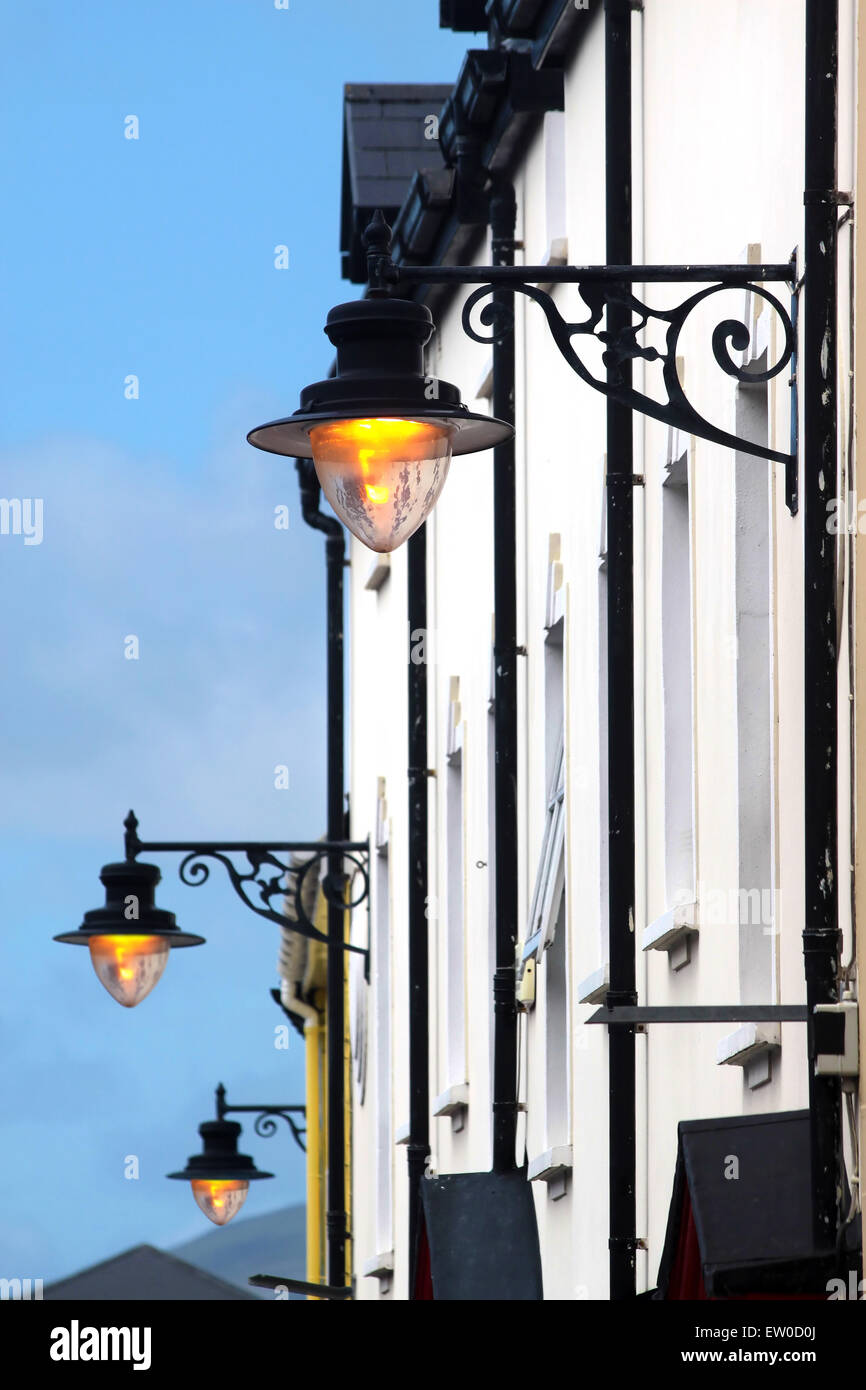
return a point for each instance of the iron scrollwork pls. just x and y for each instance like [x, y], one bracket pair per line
[265, 1124]
[623, 346]
[345, 885]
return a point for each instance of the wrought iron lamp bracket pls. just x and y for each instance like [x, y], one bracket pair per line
[265, 1123]
[601, 287]
[346, 886]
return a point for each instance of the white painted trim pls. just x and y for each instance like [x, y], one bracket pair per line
[555, 603]
[735, 1049]
[553, 1167]
[550, 1163]
[593, 989]
[452, 1099]
[380, 1266]
[484, 390]
[378, 572]
[454, 731]
[664, 933]
[751, 1047]
[382, 822]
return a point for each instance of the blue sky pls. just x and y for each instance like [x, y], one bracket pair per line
[155, 257]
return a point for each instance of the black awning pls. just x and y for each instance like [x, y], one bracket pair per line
[482, 1236]
[740, 1219]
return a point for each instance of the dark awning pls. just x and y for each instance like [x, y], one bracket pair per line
[740, 1218]
[482, 1237]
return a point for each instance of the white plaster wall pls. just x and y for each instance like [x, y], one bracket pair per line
[720, 128]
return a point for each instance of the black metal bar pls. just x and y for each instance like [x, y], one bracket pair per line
[503, 214]
[265, 1125]
[792, 467]
[821, 931]
[244, 846]
[734, 275]
[622, 1014]
[418, 1148]
[620, 668]
[267, 877]
[335, 556]
[332, 1292]
[336, 1219]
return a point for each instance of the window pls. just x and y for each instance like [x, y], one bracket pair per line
[677, 662]
[455, 946]
[554, 187]
[550, 878]
[754, 702]
[546, 926]
[557, 1050]
[381, 975]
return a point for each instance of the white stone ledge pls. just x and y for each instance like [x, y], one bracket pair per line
[552, 1167]
[452, 1100]
[593, 989]
[673, 932]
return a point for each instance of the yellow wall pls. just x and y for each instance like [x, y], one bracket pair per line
[316, 1040]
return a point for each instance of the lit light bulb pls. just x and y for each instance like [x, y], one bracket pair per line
[129, 966]
[219, 1198]
[382, 477]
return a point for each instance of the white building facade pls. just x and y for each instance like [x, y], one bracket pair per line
[717, 177]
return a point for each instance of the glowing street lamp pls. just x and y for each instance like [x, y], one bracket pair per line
[220, 1177]
[129, 938]
[380, 433]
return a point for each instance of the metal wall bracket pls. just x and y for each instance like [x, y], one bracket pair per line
[608, 287]
[343, 889]
[265, 1123]
[624, 1015]
[276, 1281]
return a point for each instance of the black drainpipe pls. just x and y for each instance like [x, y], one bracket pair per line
[821, 932]
[335, 553]
[620, 666]
[503, 216]
[418, 1147]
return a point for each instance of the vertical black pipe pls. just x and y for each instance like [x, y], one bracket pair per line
[821, 933]
[418, 1147]
[620, 665]
[503, 213]
[335, 554]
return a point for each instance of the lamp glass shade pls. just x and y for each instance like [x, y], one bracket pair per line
[128, 965]
[381, 476]
[219, 1198]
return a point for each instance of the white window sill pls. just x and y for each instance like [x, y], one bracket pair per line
[380, 1266]
[484, 389]
[673, 932]
[453, 1102]
[378, 572]
[557, 254]
[402, 1134]
[751, 1047]
[593, 989]
[552, 1167]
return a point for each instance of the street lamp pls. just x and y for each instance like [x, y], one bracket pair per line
[220, 1176]
[380, 433]
[129, 938]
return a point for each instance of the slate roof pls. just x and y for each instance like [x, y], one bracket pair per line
[144, 1273]
[384, 143]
